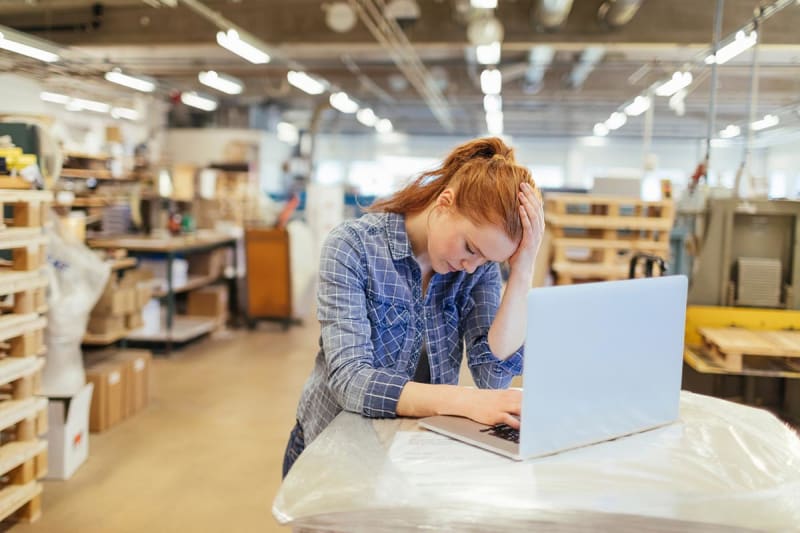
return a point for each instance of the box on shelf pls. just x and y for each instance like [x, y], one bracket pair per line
[137, 364]
[183, 178]
[151, 317]
[211, 301]
[180, 271]
[106, 325]
[68, 433]
[208, 264]
[109, 395]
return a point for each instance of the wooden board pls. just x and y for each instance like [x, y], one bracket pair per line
[20, 196]
[15, 411]
[24, 498]
[174, 244]
[609, 222]
[731, 345]
[13, 454]
[15, 325]
[699, 359]
[184, 328]
[14, 282]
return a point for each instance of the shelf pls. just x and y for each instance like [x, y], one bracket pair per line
[184, 328]
[99, 175]
[104, 339]
[123, 264]
[195, 282]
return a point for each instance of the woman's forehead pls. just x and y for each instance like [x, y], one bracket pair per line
[491, 240]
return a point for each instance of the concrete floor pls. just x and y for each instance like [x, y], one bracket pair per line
[206, 455]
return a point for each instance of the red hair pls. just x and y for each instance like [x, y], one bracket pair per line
[485, 179]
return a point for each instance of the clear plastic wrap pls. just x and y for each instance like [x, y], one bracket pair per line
[722, 466]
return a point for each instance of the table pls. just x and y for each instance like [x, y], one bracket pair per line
[722, 467]
[171, 247]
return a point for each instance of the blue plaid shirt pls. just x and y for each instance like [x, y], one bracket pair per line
[374, 319]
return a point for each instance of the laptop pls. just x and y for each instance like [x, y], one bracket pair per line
[602, 361]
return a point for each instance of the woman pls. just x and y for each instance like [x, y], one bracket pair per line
[404, 287]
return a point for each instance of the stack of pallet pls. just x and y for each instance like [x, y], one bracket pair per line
[594, 237]
[23, 415]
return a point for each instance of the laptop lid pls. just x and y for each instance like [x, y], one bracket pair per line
[602, 360]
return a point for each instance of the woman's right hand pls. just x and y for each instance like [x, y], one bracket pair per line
[492, 406]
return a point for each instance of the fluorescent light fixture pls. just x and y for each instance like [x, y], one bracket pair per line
[231, 40]
[221, 82]
[678, 81]
[730, 131]
[288, 133]
[343, 103]
[491, 81]
[54, 98]
[81, 104]
[492, 103]
[767, 122]
[199, 101]
[616, 121]
[145, 85]
[367, 117]
[494, 123]
[305, 83]
[639, 105]
[483, 4]
[9, 41]
[124, 112]
[488, 54]
[383, 126]
[600, 130]
[739, 44]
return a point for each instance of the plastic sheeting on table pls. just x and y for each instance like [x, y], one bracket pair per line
[721, 466]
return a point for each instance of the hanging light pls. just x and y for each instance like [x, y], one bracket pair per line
[26, 45]
[494, 123]
[488, 54]
[139, 83]
[679, 80]
[343, 103]
[199, 101]
[221, 82]
[367, 117]
[639, 105]
[54, 98]
[305, 83]
[739, 44]
[384, 126]
[81, 104]
[600, 130]
[730, 131]
[288, 133]
[767, 122]
[616, 121]
[491, 81]
[124, 112]
[483, 4]
[492, 103]
[231, 40]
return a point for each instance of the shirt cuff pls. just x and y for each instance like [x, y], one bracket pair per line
[480, 354]
[383, 392]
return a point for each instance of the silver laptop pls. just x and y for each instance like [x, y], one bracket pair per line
[602, 360]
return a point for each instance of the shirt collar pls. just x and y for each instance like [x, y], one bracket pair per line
[399, 245]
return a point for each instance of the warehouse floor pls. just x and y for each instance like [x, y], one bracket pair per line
[206, 455]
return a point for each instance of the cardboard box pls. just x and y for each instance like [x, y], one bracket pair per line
[109, 395]
[68, 433]
[137, 364]
[134, 320]
[209, 264]
[106, 325]
[209, 301]
[183, 178]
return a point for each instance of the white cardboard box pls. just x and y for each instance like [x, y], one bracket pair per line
[68, 433]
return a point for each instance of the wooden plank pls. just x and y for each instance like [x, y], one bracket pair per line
[13, 454]
[700, 360]
[14, 411]
[597, 199]
[23, 498]
[752, 342]
[12, 326]
[104, 339]
[591, 270]
[194, 282]
[638, 245]
[19, 196]
[14, 368]
[609, 222]
[21, 237]
[12, 282]
[184, 328]
[175, 244]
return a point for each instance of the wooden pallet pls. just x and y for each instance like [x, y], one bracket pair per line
[21, 501]
[609, 217]
[28, 247]
[729, 346]
[29, 207]
[21, 377]
[22, 335]
[25, 292]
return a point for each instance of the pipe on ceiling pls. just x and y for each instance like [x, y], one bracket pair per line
[616, 13]
[551, 14]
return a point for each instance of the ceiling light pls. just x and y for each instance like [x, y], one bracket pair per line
[384, 125]
[741, 43]
[678, 81]
[494, 123]
[305, 83]
[616, 121]
[80, 104]
[639, 105]
[492, 103]
[367, 117]
[730, 131]
[221, 82]
[343, 103]
[600, 130]
[288, 133]
[145, 85]
[199, 101]
[491, 81]
[54, 98]
[124, 112]
[488, 54]
[10, 41]
[767, 122]
[483, 4]
[233, 42]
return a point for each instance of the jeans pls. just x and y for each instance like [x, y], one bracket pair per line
[294, 448]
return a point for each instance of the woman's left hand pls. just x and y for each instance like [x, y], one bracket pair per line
[531, 213]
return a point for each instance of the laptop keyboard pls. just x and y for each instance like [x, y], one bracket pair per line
[503, 431]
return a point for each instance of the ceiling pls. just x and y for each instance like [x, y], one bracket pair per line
[174, 43]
